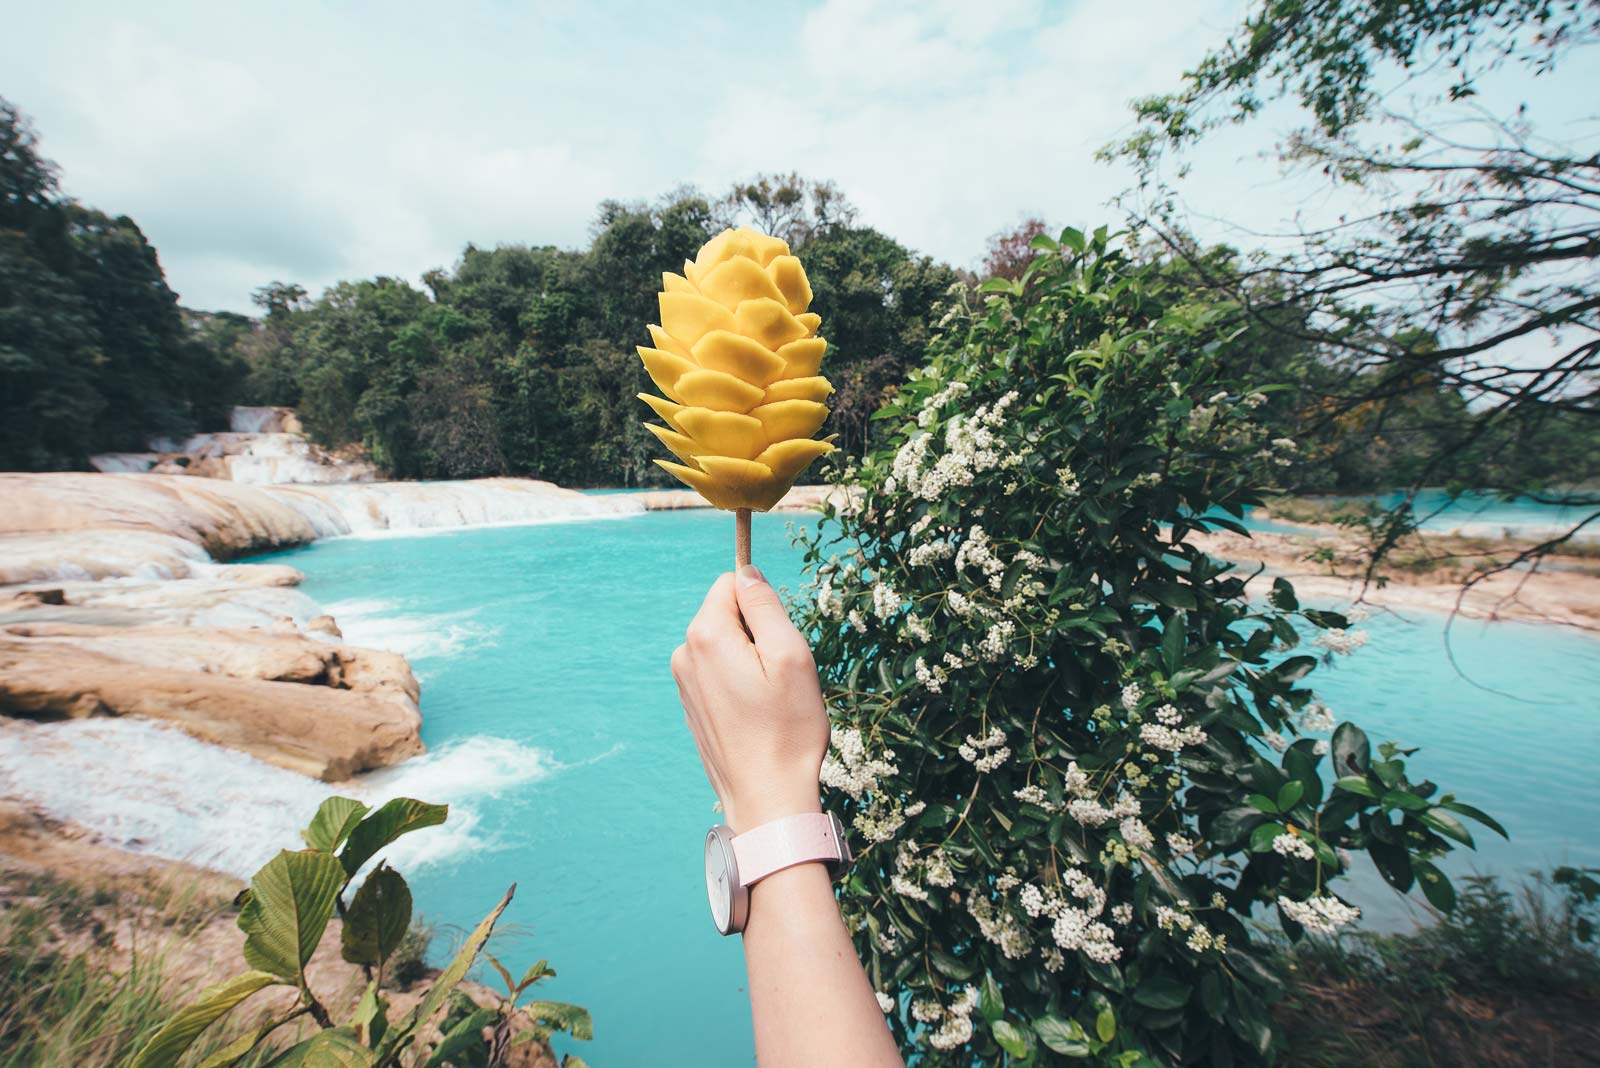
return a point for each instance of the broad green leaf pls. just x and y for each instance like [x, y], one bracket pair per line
[1404, 799]
[990, 1001]
[463, 1036]
[1013, 1039]
[1290, 794]
[1162, 992]
[1172, 642]
[1263, 803]
[1475, 814]
[377, 918]
[395, 818]
[291, 899]
[1352, 753]
[370, 1019]
[1282, 595]
[336, 1048]
[1262, 837]
[335, 819]
[1356, 784]
[446, 982]
[558, 1014]
[237, 1050]
[1448, 826]
[179, 1032]
[1105, 1024]
[1066, 1037]
[1436, 886]
[951, 965]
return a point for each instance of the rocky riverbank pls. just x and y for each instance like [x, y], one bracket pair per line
[1328, 567]
[117, 598]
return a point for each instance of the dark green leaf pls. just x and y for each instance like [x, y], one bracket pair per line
[291, 899]
[1435, 885]
[1066, 1037]
[335, 819]
[1352, 753]
[1162, 992]
[377, 918]
[397, 817]
[1013, 1039]
[179, 1032]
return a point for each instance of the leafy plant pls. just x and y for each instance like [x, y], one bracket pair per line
[1079, 753]
[284, 914]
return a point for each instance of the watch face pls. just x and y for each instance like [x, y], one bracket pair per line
[720, 879]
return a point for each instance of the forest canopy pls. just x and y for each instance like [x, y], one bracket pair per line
[519, 359]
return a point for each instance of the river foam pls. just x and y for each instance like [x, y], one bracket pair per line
[153, 789]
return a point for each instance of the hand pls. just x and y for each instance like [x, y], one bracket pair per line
[750, 695]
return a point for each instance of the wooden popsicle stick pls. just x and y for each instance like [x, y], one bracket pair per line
[741, 537]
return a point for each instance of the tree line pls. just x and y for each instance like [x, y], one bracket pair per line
[520, 359]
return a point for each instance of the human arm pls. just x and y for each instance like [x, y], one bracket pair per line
[752, 701]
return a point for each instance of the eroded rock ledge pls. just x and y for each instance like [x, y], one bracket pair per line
[322, 710]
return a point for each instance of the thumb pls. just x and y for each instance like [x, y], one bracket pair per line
[763, 613]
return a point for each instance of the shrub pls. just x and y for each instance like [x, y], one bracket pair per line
[284, 915]
[1078, 756]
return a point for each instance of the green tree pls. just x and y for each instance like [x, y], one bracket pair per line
[1077, 757]
[1459, 298]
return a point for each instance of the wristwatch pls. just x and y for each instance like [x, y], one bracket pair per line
[735, 863]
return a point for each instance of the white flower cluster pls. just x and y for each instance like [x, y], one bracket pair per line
[847, 768]
[935, 402]
[918, 628]
[1000, 927]
[1317, 718]
[1033, 794]
[1278, 742]
[977, 551]
[937, 871]
[993, 645]
[1091, 813]
[1074, 926]
[932, 678]
[929, 552]
[1320, 915]
[885, 1002]
[885, 602]
[1292, 845]
[1200, 938]
[986, 753]
[1178, 845]
[970, 448]
[1166, 733]
[879, 822]
[1255, 400]
[1135, 834]
[1339, 640]
[1131, 695]
[955, 1022]
[829, 602]
[905, 865]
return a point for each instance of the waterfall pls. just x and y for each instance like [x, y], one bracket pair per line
[370, 508]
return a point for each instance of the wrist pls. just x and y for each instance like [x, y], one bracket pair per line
[748, 813]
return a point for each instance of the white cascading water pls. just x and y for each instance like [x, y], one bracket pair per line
[375, 508]
[190, 801]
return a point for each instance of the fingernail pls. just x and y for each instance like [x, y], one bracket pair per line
[750, 575]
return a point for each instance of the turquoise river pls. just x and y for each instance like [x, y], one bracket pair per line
[553, 721]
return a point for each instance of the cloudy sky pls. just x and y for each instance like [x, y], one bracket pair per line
[309, 143]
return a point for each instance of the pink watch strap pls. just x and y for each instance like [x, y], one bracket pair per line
[785, 842]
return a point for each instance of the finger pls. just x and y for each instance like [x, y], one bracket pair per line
[764, 614]
[716, 628]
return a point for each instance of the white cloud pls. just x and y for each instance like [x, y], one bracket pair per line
[316, 143]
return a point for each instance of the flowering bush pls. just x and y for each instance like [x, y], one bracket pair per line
[1078, 758]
